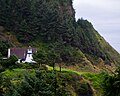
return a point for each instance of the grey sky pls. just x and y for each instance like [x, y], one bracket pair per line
[104, 15]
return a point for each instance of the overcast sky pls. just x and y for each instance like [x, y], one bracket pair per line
[105, 17]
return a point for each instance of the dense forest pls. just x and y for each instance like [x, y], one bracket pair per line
[51, 27]
[53, 23]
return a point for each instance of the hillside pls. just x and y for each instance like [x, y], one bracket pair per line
[51, 25]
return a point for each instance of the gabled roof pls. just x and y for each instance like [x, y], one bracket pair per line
[20, 52]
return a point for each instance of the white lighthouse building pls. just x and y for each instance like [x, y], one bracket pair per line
[23, 54]
[29, 57]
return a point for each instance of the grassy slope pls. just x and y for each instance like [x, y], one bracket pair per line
[94, 79]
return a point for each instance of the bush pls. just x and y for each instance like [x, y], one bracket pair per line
[9, 62]
[41, 84]
[111, 84]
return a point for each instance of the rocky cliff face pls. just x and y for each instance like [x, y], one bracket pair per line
[53, 22]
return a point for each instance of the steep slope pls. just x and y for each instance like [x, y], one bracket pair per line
[90, 42]
[51, 25]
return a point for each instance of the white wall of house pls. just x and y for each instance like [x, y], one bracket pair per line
[26, 55]
[8, 53]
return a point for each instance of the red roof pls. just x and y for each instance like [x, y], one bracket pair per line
[21, 52]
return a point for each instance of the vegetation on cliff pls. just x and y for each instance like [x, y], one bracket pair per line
[50, 26]
[41, 81]
[53, 23]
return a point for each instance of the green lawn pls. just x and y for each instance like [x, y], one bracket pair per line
[65, 69]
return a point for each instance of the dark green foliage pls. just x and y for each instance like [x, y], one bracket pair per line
[41, 84]
[85, 90]
[111, 84]
[57, 53]
[9, 62]
[0, 55]
[48, 56]
[13, 59]
[41, 57]
[89, 41]
[4, 45]
[44, 83]
[1, 68]
[15, 16]
[31, 18]
[53, 22]
[5, 83]
[1, 83]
